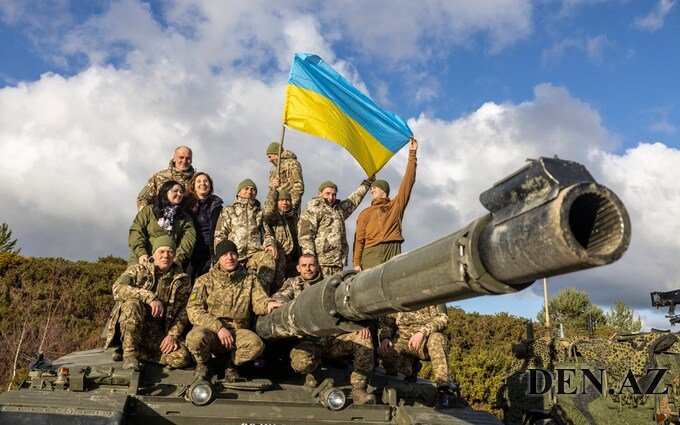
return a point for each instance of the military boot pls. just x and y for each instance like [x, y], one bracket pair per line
[445, 397]
[117, 355]
[131, 362]
[231, 373]
[359, 393]
[201, 371]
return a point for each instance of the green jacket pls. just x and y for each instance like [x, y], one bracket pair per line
[145, 228]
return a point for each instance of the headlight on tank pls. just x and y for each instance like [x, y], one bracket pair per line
[201, 393]
[333, 398]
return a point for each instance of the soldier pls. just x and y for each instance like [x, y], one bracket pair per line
[180, 169]
[306, 356]
[321, 231]
[290, 173]
[220, 308]
[150, 314]
[242, 224]
[417, 334]
[378, 236]
[283, 220]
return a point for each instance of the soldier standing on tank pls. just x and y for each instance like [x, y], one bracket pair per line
[378, 234]
[243, 224]
[179, 169]
[306, 356]
[288, 173]
[279, 214]
[417, 334]
[322, 231]
[220, 308]
[150, 315]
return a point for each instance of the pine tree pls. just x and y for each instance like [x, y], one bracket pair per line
[572, 308]
[6, 242]
[622, 318]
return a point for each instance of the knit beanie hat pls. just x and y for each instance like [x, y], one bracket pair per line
[284, 194]
[327, 184]
[273, 148]
[163, 241]
[246, 182]
[382, 184]
[225, 246]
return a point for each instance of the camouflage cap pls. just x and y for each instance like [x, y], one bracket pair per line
[284, 194]
[225, 246]
[273, 148]
[163, 241]
[326, 184]
[382, 184]
[246, 182]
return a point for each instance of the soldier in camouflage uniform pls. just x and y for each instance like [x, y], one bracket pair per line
[290, 174]
[243, 224]
[417, 334]
[150, 314]
[220, 308]
[283, 220]
[321, 231]
[179, 169]
[306, 356]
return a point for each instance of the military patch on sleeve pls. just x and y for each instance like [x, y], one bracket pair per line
[194, 294]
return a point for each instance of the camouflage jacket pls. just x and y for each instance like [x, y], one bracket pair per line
[283, 225]
[242, 224]
[226, 299]
[149, 192]
[321, 231]
[290, 177]
[426, 320]
[145, 228]
[293, 286]
[145, 283]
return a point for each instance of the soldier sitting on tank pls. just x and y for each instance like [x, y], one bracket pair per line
[150, 315]
[306, 356]
[321, 230]
[220, 308]
[417, 334]
[180, 169]
[289, 173]
[279, 214]
[242, 224]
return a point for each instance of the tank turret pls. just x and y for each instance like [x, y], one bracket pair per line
[548, 218]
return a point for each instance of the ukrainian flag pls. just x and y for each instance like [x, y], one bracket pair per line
[319, 101]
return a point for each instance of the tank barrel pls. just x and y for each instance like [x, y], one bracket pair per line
[548, 218]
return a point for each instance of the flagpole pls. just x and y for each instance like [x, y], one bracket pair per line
[545, 298]
[278, 158]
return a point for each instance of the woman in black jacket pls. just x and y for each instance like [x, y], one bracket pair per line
[205, 208]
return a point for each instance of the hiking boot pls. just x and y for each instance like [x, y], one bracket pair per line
[360, 395]
[201, 371]
[131, 363]
[445, 397]
[117, 355]
[231, 375]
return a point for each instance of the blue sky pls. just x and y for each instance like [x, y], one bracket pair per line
[95, 95]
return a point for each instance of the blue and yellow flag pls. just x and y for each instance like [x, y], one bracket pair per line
[319, 101]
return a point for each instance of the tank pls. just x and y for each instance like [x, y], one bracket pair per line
[626, 379]
[548, 218]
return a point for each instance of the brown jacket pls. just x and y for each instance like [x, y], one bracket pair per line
[381, 222]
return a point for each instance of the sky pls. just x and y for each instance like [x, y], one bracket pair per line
[95, 95]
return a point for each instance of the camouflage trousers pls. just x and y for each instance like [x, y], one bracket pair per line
[328, 271]
[307, 355]
[142, 334]
[264, 266]
[433, 348]
[203, 342]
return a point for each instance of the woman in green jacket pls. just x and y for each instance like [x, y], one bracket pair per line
[164, 218]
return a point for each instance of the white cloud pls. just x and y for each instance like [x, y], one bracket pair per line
[656, 17]
[593, 47]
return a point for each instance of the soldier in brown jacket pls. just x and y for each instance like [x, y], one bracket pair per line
[378, 235]
[220, 307]
[150, 315]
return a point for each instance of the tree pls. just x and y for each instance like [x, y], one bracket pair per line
[571, 308]
[622, 318]
[6, 242]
